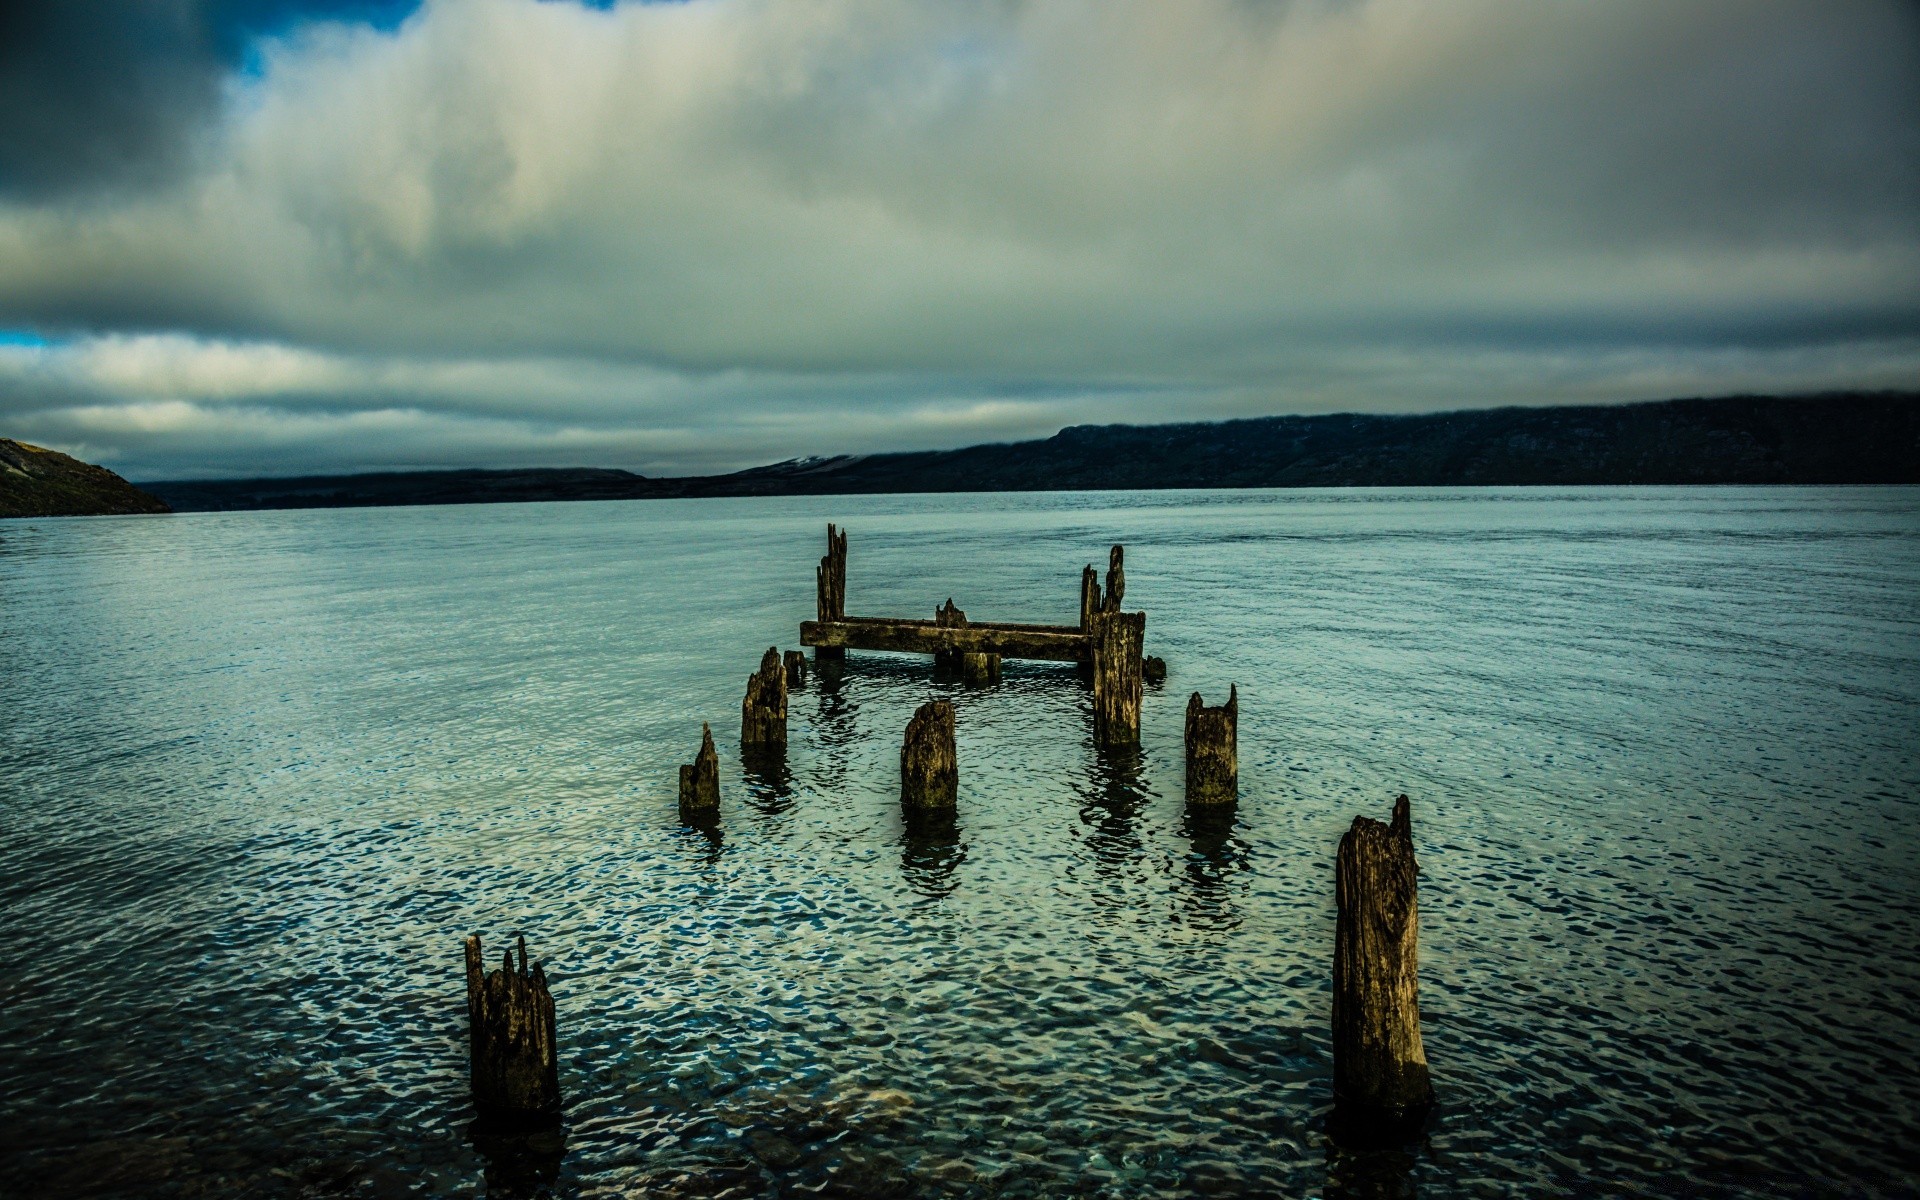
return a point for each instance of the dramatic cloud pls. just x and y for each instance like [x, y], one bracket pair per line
[709, 234]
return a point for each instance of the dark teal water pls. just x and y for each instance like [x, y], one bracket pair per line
[260, 773]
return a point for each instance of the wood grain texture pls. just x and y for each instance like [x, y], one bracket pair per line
[929, 761]
[763, 711]
[511, 1036]
[1213, 750]
[1379, 1062]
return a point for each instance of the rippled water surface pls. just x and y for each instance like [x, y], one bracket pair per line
[260, 772]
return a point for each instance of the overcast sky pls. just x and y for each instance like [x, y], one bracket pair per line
[243, 237]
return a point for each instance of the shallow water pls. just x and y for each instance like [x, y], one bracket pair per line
[260, 772]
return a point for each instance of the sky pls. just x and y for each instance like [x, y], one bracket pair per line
[274, 237]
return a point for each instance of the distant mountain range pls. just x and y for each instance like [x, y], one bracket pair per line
[1839, 438]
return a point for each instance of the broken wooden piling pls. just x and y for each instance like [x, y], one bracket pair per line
[1116, 638]
[763, 713]
[700, 781]
[796, 663]
[515, 1069]
[929, 763]
[1379, 1064]
[1153, 670]
[976, 667]
[831, 587]
[1213, 750]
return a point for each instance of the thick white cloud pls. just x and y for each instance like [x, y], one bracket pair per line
[687, 236]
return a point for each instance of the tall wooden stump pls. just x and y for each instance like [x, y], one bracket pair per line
[1116, 578]
[796, 663]
[763, 714]
[1213, 750]
[1089, 596]
[831, 587]
[1116, 638]
[929, 764]
[1379, 1064]
[516, 1073]
[700, 782]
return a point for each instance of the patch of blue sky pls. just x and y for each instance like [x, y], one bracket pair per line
[21, 337]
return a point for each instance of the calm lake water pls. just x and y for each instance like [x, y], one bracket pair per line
[260, 773]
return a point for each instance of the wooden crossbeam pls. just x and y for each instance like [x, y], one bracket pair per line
[1052, 643]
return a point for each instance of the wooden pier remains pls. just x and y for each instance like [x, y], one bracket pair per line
[510, 1030]
[1107, 641]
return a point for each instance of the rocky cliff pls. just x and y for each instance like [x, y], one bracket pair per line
[37, 482]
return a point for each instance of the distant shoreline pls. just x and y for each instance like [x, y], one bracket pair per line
[1842, 438]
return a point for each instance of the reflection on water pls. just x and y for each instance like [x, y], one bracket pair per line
[931, 853]
[259, 773]
[768, 780]
[1215, 857]
[521, 1164]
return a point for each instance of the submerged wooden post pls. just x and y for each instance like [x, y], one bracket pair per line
[763, 713]
[796, 662]
[1379, 1064]
[515, 1070]
[1153, 670]
[1116, 638]
[700, 781]
[1213, 750]
[831, 586]
[929, 763]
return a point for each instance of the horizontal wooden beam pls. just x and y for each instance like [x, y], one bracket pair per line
[1053, 643]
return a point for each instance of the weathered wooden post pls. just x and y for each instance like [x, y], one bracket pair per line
[1379, 1064]
[948, 616]
[1116, 578]
[929, 763]
[1116, 639]
[831, 585]
[1153, 670]
[976, 668]
[515, 1069]
[1089, 596]
[700, 782]
[1213, 750]
[796, 662]
[763, 713]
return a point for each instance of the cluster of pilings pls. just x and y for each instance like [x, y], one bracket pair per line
[1381, 1081]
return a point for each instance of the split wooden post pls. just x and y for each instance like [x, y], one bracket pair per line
[700, 782]
[1116, 638]
[1116, 578]
[929, 763]
[515, 1068]
[1213, 750]
[831, 585]
[763, 713]
[1089, 596]
[1379, 1063]
[796, 662]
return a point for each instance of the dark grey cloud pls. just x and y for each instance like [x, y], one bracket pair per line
[112, 93]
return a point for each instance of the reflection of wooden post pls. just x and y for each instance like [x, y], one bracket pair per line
[831, 584]
[1213, 750]
[929, 763]
[796, 662]
[515, 1069]
[763, 714]
[1116, 638]
[700, 781]
[1379, 1064]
